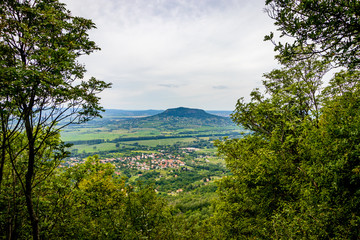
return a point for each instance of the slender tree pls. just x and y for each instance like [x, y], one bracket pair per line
[42, 41]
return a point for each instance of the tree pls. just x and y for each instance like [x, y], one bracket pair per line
[296, 175]
[284, 173]
[40, 42]
[14, 221]
[265, 163]
[92, 202]
[89, 202]
[329, 28]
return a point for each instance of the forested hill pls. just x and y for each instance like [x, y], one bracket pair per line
[176, 117]
[183, 112]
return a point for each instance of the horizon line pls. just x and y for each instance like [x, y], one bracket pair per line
[151, 109]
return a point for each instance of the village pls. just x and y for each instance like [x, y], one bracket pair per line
[141, 161]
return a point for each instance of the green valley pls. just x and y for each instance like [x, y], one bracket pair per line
[110, 135]
[172, 150]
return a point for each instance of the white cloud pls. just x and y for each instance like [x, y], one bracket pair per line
[168, 53]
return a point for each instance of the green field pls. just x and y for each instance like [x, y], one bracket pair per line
[191, 144]
[76, 134]
[110, 135]
[96, 148]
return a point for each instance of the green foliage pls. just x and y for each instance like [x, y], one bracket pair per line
[329, 28]
[104, 207]
[87, 202]
[296, 175]
[40, 43]
[14, 220]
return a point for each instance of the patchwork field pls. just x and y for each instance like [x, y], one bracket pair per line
[112, 134]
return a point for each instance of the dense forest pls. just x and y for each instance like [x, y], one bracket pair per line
[295, 176]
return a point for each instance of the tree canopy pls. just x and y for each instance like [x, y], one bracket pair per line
[296, 175]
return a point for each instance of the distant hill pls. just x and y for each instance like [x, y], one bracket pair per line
[118, 113]
[184, 113]
[174, 118]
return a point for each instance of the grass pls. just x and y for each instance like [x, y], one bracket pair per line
[109, 131]
[208, 150]
[98, 133]
[112, 146]
[91, 133]
[154, 143]
[96, 148]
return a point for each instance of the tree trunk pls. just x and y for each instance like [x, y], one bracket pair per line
[28, 179]
[2, 161]
[3, 150]
[28, 194]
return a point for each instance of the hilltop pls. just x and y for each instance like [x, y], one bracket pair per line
[180, 117]
[182, 112]
[119, 113]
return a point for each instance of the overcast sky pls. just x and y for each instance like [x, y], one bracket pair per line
[162, 54]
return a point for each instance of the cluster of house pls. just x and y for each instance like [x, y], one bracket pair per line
[142, 161]
[151, 161]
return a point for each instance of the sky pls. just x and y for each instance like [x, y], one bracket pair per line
[161, 54]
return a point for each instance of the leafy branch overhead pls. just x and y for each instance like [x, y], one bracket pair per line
[329, 28]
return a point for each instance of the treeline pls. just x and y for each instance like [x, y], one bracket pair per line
[131, 139]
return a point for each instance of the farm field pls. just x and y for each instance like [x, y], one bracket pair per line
[110, 135]
[175, 154]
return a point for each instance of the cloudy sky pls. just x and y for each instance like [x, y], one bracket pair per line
[162, 54]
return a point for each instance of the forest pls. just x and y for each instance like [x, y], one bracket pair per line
[295, 175]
